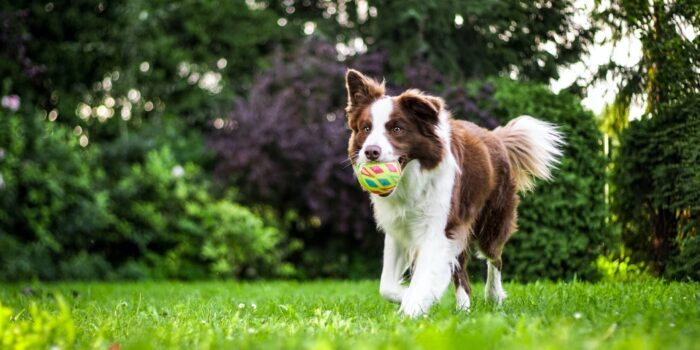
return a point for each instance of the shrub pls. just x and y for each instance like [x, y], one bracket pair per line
[49, 206]
[289, 152]
[39, 329]
[686, 264]
[62, 218]
[561, 225]
[236, 242]
[657, 188]
[172, 224]
[621, 269]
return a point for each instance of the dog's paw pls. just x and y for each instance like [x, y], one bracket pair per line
[497, 295]
[463, 301]
[394, 295]
[413, 305]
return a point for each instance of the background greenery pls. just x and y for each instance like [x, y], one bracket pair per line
[198, 139]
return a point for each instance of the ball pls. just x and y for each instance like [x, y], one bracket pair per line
[379, 178]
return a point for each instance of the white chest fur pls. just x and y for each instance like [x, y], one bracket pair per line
[420, 204]
[414, 220]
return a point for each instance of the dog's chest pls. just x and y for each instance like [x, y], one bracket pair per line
[421, 200]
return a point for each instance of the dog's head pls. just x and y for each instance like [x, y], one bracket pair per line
[392, 128]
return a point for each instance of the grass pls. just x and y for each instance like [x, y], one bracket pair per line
[336, 314]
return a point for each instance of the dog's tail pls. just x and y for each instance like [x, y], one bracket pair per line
[534, 148]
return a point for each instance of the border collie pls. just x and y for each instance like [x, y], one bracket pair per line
[460, 185]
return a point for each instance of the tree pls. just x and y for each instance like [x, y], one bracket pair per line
[464, 39]
[655, 193]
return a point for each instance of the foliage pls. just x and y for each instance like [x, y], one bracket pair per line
[686, 264]
[186, 57]
[657, 188]
[235, 239]
[667, 68]
[60, 219]
[133, 83]
[48, 204]
[464, 39]
[349, 315]
[38, 329]
[561, 225]
[621, 269]
[289, 151]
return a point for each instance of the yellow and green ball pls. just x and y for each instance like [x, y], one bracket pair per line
[379, 178]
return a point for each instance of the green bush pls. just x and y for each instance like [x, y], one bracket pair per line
[561, 224]
[685, 264]
[167, 215]
[61, 217]
[49, 205]
[37, 328]
[621, 269]
[657, 189]
[237, 242]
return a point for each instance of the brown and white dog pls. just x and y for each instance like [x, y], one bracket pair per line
[460, 185]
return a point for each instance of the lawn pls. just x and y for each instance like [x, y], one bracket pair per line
[337, 314]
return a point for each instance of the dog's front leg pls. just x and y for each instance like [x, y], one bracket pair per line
[431, 275]
[392, 271]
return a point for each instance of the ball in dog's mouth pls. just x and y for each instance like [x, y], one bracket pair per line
[380, 178]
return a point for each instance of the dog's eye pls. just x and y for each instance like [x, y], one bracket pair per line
[396, 129]
[366, 129]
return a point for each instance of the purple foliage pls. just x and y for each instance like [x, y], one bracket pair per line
[422, 75]
[14, 42]
[285, 144]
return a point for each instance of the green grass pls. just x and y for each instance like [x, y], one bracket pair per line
[331, 314]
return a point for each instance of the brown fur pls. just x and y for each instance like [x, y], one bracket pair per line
[485, 195]
[362, 91]
[414, 114]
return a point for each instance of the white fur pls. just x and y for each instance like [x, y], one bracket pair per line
[395, 264]
[494, 289]
[380, 112]
[462, 297]
[534, 147]
[414, 218]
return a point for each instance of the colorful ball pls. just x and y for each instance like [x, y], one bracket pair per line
[379, 178]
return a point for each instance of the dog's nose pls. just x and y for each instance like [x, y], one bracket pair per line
[372, 152]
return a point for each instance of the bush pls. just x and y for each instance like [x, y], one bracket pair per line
[657, 189]
[621, 269]
[236, 242]
[62, 218]
[172, 224]
[49, 205]
[39, 328]
[561, 225]
[289, 152]
[686, 264]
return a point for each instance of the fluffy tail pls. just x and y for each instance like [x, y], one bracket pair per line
[534, 148]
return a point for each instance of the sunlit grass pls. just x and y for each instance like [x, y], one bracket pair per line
[333, 314]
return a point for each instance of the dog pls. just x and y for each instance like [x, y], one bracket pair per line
[459, 186]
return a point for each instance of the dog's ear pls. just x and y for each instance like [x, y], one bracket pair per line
[425, 108]
[437, 102]
[361, 89]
